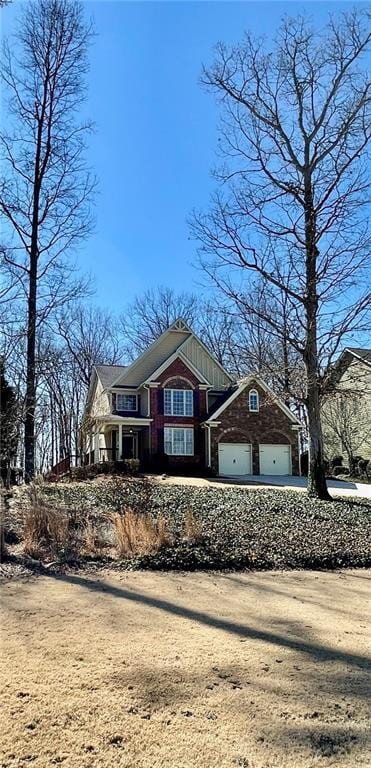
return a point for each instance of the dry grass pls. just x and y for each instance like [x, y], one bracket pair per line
[192, 528]
[92, 544]
[143, 670]
[139, 534]
[45, 528]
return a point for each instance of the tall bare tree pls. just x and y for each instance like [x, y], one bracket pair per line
[293, 188]
[151, 313]
[46, 188]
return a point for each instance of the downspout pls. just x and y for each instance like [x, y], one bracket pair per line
[146, 386]
[208, 445]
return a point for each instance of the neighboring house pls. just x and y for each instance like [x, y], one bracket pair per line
[347, 409]
[175, 407]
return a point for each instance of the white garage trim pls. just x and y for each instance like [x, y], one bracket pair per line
[275, 459]
[234, 459]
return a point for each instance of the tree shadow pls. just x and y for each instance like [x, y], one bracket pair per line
[314, 650]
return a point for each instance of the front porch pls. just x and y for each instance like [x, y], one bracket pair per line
[118, 438]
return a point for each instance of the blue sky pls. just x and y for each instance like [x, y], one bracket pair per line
[155, 136]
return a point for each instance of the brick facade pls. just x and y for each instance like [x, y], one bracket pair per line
[269, 425]
[177, 376]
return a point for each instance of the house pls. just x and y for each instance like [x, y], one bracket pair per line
[346, 410]
[176, 408]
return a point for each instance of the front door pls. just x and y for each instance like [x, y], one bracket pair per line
[129, 446]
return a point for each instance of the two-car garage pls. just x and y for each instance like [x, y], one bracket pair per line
[236, 459]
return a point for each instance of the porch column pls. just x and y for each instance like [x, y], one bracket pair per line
[119, 452]
[96, 448]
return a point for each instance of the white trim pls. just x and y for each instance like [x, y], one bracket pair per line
[132, 421]
[254, 392]
[141, 357]
[172, 429]
[155, 343]
[183, 391]
[127, 394]
[351, 352]
[242, 386]
[175, 355]
[171, 378]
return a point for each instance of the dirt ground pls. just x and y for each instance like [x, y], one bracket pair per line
[142, 670]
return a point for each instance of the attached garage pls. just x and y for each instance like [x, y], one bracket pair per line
[275, 460]
[234, 458]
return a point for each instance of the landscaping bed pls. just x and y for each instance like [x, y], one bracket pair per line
[135, 523]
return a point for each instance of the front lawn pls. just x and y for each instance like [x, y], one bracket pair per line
[196, 670]
[204, 528]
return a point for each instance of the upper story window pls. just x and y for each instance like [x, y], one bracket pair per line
[253, 400]
[178, 402]
[126, 402]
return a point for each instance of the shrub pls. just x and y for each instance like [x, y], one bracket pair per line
[336, 461]
[138, 534]
[338, 470]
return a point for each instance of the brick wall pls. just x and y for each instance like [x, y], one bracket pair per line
[178, 376]
[268, 425]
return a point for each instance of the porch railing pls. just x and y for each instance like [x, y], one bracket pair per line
[108, 454]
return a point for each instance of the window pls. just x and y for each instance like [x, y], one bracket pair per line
[126, 403]
[178, 442]
[178, 402]
[253, 400]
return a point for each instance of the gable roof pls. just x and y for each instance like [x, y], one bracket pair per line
[361, 353]
[108, 373]
[176, 337]
[241, 387]
[178, 356]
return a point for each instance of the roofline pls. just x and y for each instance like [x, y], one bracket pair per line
[352, 352]
[186, 362]
[151, 346]
[191, 333]
[242, 384]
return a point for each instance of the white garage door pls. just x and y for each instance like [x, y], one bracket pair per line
[234, 459]
[275, 459]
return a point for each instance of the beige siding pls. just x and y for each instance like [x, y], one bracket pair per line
[100, 401]
[204, 363]
[155, 356]
[351, 407]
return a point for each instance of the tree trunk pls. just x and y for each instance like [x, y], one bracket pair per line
[30, 400]
[317, 486]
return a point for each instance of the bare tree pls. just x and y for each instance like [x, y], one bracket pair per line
[91, 336]
[46, 188]
[293, 186]
[151, 313]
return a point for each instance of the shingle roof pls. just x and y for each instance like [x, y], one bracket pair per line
[364, 354]
[109, 373]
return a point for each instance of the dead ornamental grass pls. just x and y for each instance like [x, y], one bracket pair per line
[44, 528]
[192, 528]
[139, 534]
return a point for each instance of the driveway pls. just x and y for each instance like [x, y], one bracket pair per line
[336, 487]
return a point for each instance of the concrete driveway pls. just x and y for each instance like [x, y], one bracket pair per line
[336, 487]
